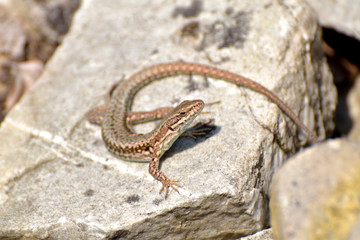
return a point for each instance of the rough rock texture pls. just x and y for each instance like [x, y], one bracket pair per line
[58, 181]
[342, 15]
[315, 195]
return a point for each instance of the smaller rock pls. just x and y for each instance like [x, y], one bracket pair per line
[342, 15]
[316, 194]
[265, 234]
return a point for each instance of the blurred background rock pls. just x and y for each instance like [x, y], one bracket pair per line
[30, 31]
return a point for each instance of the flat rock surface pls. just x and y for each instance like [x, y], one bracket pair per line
[57, 180]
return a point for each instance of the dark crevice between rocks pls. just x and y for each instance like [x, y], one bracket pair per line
[342, 54]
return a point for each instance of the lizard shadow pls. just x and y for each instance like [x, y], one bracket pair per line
[184, 143]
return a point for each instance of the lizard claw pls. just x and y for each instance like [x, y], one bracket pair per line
[166, 183]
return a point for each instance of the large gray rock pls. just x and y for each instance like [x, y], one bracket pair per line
[58, 180]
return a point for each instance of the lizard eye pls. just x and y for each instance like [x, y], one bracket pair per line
[182, 113]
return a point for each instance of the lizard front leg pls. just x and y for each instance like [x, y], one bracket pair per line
[158, 175]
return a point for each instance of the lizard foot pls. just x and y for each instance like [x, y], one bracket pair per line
[166, 183]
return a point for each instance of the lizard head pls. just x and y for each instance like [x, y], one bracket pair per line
[177, 121]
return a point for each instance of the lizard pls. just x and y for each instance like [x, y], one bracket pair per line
[117, 119]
